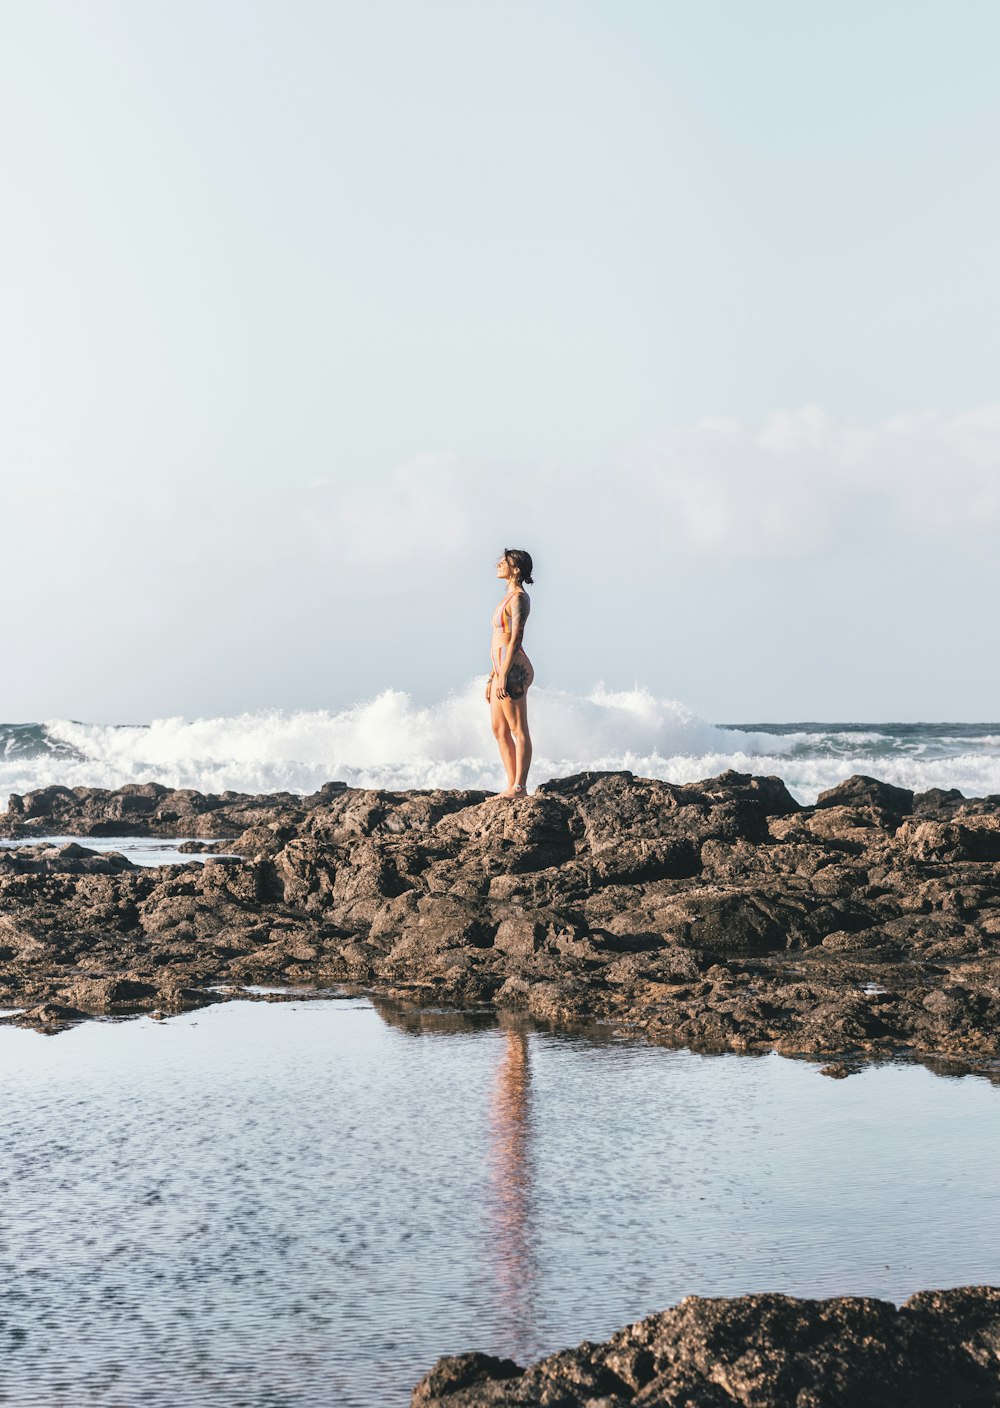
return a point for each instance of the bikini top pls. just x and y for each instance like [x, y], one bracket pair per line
[504, 609]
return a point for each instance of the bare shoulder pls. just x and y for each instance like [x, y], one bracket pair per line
[520, 606]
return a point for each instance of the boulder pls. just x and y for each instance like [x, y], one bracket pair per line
[757, 1351]
[862, 791]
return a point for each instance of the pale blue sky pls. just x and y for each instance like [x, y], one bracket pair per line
[307, 308]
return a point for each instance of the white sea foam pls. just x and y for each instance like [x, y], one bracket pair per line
[389, 741]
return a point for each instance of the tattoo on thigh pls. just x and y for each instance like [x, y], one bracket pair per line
[517, 681]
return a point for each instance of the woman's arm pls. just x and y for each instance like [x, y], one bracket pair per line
[519, 609]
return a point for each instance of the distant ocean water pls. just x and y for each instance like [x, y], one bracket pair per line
[389, 741]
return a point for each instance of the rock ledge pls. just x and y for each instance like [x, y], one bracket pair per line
[719, 915]
[941, 1349]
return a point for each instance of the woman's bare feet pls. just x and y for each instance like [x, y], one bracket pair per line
[516, 789]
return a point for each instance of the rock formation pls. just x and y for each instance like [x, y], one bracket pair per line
[941, 1349]
[720, 914]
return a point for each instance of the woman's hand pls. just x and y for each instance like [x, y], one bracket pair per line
[489, 681]
[502, 686]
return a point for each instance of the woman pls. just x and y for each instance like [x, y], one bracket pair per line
[511, 676]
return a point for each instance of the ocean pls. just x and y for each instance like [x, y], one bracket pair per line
[392, 742]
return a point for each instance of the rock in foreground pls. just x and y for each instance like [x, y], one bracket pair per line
[941, 1349]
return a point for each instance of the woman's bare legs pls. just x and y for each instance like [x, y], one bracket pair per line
[502, 734]
[515, 712]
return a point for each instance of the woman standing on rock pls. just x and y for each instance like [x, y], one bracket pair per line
[511, 676]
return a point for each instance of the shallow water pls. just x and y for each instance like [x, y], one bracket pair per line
[140, 850]
[308, 1202]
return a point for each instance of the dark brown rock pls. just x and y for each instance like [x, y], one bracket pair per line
[759, 1351]
[937, 803]
[49, 1016]
[861, 791]
[718, 914]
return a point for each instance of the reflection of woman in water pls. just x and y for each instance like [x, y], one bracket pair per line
[511, 676]
[511, 1166]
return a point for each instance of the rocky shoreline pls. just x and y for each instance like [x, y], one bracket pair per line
[720, 915]
[941, 1349]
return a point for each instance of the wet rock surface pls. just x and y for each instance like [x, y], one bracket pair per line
[719, 915]
[149, 809]
[760, 1351]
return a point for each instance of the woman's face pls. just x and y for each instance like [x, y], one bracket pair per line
[503, 566]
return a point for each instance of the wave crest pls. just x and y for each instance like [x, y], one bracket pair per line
[391, 741]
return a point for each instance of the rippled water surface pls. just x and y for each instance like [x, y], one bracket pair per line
[308, 1202]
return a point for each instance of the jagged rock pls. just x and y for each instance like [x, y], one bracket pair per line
[112, 994]
[48, 1016]
[674, 909]
[463, 1371]
[937, 803]
[143, 809]
[861, 791]
[757, 1351]
[975, 839]
[68, 859]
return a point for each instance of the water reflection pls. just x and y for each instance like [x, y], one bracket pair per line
[421, 1021]
[512, 1238]
[298, 1202]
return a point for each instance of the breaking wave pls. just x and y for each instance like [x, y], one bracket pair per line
[389, 741]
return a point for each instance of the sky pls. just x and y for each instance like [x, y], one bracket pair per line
[308, 309]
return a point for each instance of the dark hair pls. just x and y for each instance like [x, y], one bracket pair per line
[519, 561]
